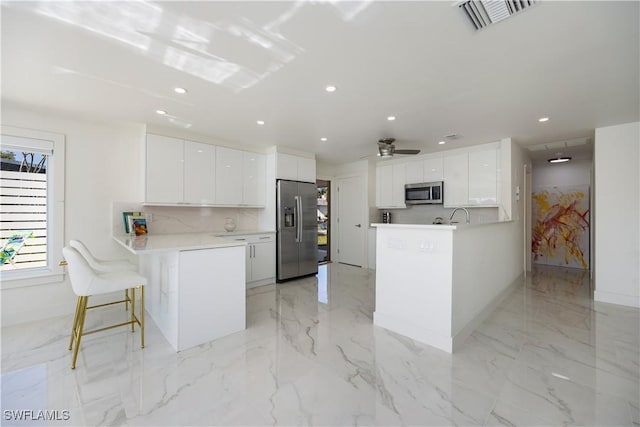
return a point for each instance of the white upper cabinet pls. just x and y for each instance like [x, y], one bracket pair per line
[307, 169]
[179, 172]
[229, 176]
[427, 170]
[415, 172]
[456, 180]
[199, 173]
[390, 180]
[164, 169]
[483, 177]
[287, 167]
[254, 190]
[471, 179]
[433, 169]
[295, 168]
[384, 186]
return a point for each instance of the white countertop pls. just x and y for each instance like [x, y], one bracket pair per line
[140, 245]
[420, 226]
[241, 232]
[440, 226]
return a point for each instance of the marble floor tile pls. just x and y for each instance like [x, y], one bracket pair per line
[547, 355]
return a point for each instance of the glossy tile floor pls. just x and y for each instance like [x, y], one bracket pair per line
[311, 356]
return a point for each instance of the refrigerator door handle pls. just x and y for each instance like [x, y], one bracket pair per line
[298, 218]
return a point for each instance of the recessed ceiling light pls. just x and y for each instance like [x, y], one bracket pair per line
[161, 112]
[391, 118]
[442, 142]
[330, 88]
[323, 139]
[180, 90]
[559, 160]
[260, 122]
[543, 119]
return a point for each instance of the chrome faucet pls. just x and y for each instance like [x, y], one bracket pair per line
[466, 212]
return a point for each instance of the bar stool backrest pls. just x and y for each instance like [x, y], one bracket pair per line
[80, 273]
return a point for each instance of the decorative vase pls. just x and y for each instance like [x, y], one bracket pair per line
[229, 224]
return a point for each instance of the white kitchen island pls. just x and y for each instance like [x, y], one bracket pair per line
[196, 290]
[437, 283]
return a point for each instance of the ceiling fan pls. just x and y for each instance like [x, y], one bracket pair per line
[387, 148]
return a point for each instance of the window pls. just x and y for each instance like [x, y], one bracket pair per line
[31, 206]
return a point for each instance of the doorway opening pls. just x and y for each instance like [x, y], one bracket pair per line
[324, 223]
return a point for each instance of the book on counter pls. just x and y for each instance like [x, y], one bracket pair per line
[126, 216]
[138, 225]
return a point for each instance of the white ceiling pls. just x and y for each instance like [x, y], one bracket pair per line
[575, 62]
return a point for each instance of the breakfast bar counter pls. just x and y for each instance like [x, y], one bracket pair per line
[437, 283]
[196, 289]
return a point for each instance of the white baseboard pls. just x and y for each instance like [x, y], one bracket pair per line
[41, 313]
[263, 282]
[620, 299]
[414, 332]
[466, 330]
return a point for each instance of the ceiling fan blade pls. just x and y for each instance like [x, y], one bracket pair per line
[406, 151]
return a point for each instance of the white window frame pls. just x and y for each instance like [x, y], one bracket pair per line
[53, 272]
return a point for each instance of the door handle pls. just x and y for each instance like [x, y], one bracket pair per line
[298, 218]
[358, 225]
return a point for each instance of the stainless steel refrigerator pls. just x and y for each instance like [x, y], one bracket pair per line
[297, 230]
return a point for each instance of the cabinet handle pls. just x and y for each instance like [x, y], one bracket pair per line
[262, 238]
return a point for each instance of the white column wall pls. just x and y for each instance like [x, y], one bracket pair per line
[617, 213]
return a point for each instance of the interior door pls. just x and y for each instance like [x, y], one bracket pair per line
[350, 220]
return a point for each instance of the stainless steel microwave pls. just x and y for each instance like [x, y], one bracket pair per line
[426, 193]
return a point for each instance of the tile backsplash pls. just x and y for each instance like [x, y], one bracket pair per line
[425, 214]
[178, 219]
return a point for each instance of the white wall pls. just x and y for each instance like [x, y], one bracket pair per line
[576, 172]
[617, 209]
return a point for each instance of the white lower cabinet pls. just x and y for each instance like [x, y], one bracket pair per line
[195, 296]
[260, 264]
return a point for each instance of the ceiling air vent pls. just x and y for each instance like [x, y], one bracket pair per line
[486, 12]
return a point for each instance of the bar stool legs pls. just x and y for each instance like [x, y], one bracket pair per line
[141, 317]
[76, 334]
[77, 330]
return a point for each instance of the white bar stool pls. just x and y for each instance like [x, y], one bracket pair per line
[99, 264]
[86, 282]
[103, 266]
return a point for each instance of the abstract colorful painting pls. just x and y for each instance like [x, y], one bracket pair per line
[560, 233]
